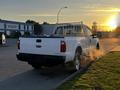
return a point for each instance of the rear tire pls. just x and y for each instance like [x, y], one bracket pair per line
[77, 60]
[98, 46]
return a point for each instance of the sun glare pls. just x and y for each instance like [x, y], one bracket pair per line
[112, 23]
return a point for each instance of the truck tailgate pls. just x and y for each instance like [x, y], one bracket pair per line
[43, 46]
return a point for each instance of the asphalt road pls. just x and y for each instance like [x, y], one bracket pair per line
[16, 75]
[9, 65]
[108, 44]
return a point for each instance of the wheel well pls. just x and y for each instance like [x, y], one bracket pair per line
[97, 43]
[79, 49]
[97, 46]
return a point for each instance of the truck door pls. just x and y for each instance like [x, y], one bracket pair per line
[91, 39]
[87, 36]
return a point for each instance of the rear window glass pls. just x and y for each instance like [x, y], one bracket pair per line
[48, 30]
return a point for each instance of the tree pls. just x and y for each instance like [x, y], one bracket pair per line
[31, 22]
[45, 23]
[117, 31]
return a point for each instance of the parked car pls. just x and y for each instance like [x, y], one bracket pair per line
[2, 39]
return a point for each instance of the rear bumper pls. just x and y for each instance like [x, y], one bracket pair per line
[45, 60]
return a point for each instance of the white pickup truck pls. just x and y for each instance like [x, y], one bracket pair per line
[65, 43]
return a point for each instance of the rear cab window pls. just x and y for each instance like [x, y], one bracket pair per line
[69, 30]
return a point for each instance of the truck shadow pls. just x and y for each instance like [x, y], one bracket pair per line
[35, 80]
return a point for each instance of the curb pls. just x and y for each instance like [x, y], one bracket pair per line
[73, 75]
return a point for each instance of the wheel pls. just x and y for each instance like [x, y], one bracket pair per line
[97, 46]
[35, 66]
[77, 60]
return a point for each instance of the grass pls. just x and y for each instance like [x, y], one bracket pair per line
[104, 74]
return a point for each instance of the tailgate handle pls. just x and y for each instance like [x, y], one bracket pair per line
[38, 40]
[38, 46]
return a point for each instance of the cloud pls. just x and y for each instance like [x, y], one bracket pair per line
[37, 15]
[107, 10]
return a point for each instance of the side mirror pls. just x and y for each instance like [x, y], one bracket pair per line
[94, 36]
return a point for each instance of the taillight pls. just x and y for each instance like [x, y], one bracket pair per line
[63, 46]
[18, 44]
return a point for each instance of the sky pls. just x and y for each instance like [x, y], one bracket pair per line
[87, 11]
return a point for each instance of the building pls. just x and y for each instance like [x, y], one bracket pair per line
[8, 27]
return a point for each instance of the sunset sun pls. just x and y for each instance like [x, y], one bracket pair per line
[112, 23]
